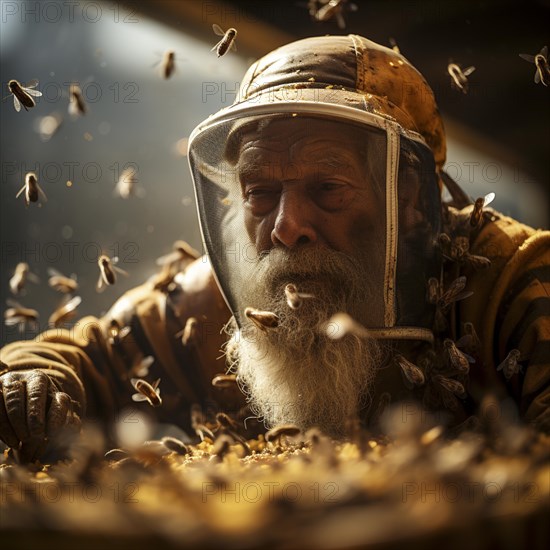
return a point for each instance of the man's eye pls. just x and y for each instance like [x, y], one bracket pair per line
[332, 195]
[261, 200]
[331, 186]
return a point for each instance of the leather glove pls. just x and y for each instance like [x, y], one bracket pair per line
[33, 409]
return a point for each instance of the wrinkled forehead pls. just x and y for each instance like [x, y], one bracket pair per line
[301, 139]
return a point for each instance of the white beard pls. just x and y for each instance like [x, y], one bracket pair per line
[295, 373]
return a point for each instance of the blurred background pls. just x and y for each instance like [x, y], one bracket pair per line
[498, 134]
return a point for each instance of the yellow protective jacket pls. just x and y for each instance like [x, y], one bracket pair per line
[510, 308]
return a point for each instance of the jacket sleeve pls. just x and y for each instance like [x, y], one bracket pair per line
[512, 307]
[94, 365]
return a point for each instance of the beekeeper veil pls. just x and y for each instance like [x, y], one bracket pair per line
[334, 86]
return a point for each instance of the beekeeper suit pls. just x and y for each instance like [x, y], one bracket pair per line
[329, 163]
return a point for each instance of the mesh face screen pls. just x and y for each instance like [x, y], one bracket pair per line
[261, 180]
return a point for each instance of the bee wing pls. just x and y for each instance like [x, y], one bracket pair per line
[73, 303]
[341, 21]
[544, 52]
[33, 278]
[143, 368]
[16, 103]
[233, 45]
[215, 47]
[100, 285]
[35, 93]
[489, 198]
[156, 383]
[52, 272]
[120, 270]
[527, 57]
[537, 76]
[124, 332]
[14, 320]
[32, 84]
[20, 191]
[463, 341]
[468, 71]
[218, 30]
[41, 193]
[168, 258]
[138, 397]
[14, 303]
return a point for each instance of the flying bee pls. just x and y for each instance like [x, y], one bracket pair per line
[293, 297]
[117, 333]
[168, 64]
[183, 254]
[542, 73]
[147, 392]
[227, 42]
[470, 340]
[454, 293]
[32, 190]
[510, 365]
[65, 312]
[126, 185]
[22, 95]
[452, 386]
[262, 319]
[479, 205]
[48, 125]
[224, 381]
[341, 324]
[459, 77]
[21, 275]
[77, 105]
[17, 314]
[413, 376]
[190, 332]
[332, 9]
[458, 359]
[61, 283]
[107, 272]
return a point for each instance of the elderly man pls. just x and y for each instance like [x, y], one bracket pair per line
[349, 284]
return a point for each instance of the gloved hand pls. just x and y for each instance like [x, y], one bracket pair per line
[33, 409]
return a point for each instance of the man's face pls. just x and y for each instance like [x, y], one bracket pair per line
[313, 210]
[305, 182]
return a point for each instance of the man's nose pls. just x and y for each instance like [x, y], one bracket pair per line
[294, 223]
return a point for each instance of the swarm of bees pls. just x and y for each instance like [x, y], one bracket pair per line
[351, 491]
